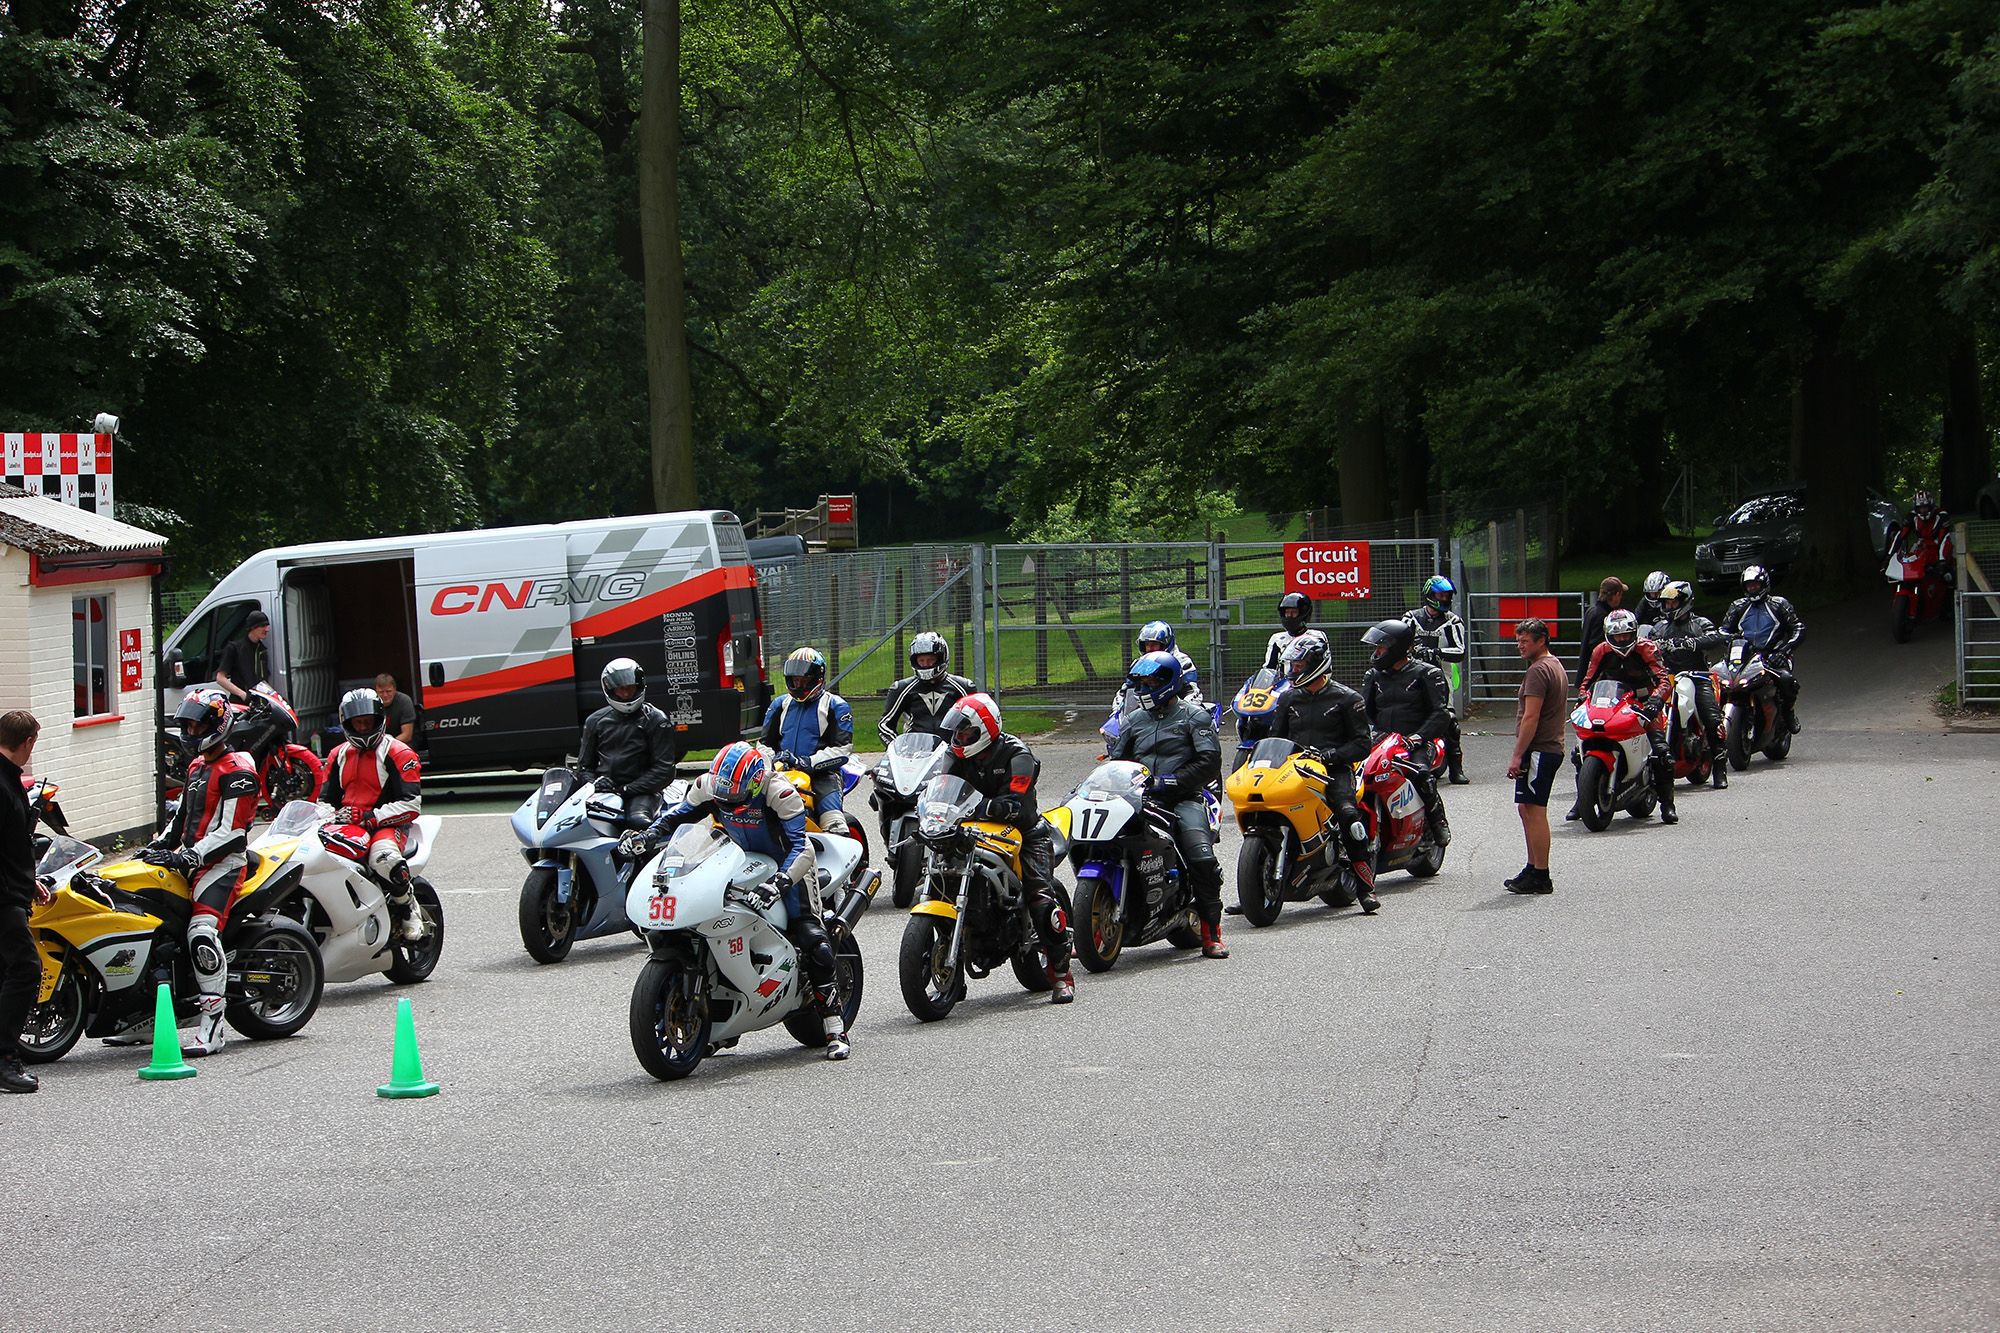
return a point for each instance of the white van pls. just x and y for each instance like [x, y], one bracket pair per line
[499, 635]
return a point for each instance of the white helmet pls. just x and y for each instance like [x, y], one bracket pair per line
[1621, 631]
[932, 644]
[624, 683]
[1654, 582]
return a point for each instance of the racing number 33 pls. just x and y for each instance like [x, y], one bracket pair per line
[662, 908]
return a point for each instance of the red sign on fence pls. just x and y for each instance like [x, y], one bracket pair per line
[840, 509]
[1323, 570]
[131, 671]
[1513, 610]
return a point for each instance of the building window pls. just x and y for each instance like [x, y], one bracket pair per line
[90, 635]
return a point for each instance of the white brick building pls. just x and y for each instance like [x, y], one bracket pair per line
[76, 650]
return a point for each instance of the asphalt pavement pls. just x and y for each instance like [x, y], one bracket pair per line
[1735, 1074]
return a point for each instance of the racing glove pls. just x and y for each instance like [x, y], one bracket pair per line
[635, 844]
[1006, 809]
[1164, 788]
[353, 814]
[786, 759]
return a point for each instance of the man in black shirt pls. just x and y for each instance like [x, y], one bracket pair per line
[20, 963]
[246, 662]
[1610, 595]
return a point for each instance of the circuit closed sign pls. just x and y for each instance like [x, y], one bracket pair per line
[1337, 570]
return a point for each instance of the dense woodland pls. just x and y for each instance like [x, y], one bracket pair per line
[1078, 267]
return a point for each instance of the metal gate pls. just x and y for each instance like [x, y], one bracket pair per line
[852, 605]
[1493, 660]
[1065, 618]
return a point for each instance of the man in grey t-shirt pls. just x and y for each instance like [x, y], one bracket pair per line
[399, 712]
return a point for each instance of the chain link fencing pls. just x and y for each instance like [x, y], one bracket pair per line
[861, 607]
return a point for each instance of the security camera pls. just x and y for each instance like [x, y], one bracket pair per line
[106, 424]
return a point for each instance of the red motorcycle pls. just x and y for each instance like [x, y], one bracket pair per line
[1614, 776]
[1393, 805]
[1917, 567]
[265, 728]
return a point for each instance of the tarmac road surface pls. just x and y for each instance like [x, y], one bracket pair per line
[1735, 1074]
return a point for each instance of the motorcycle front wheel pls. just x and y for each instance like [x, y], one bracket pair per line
[1100, 934]
[53, 1028]
[670, 1018]
[1781, 744]
[1258, 890]
[1737, 734]
[415, 962]
[909, 868]
[1593, 787]
[548, 927]
[1903, 620]
[930, 989]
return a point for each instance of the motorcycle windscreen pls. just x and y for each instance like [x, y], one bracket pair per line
[493, 633]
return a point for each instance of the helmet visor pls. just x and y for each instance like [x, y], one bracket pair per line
[926, 661]
[365, 724]
[625, 691]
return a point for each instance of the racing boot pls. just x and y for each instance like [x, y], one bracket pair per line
[1361, 878]
[1455, 763]
[1062, 986]
[1663, 787]
[837, 1046]
[403, 906]
[211, 978]
[1718, 772]
[209, 1034]
[14, 1076]
[1211, 941]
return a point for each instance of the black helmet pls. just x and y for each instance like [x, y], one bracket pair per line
[624, 683]
[1309, 658]
[361, 717]
[928, 644]
[204, 719]
[1295, 612]
[1391, 640]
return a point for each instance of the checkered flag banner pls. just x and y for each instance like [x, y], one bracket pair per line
[75, 469]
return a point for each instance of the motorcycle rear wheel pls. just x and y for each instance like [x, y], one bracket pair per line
[929, 990]
[415, 962]
[806, 1025]
[1100, 934]
[548, 929]
[1593, 785]
[1903, 620]
[1258, 890]
[669, 1018]
[281, 945]
[53, 1028]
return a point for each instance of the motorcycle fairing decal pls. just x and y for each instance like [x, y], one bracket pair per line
[1405, 801]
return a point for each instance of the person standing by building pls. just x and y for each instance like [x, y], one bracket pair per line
[1538, 738]
[246, 663]
[20, 963]
[399, 712]
[1610, 596]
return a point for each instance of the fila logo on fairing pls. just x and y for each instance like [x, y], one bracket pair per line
[459, 599]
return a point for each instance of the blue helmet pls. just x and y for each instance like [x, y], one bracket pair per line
[1438, 592]
[1157, 631]
[1156, 678]
[737, 775]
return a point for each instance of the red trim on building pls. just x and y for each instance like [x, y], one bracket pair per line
[97, 721]
[54, 571]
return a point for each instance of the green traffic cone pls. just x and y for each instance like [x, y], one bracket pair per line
[168, 1063]
[406, 1067]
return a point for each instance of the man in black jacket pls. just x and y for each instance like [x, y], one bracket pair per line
[1610, 595]
[1319, 712]
[1175, 739]
[1773, 629]
[1688, 643]
[1401, 694]
[246, 662]
[1003, 769]
[919, 701]
[20, 963]
[628, 741]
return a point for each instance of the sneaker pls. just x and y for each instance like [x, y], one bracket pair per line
[837, 1046]
[1062, 986]
[209, 1036]
[14, 1077]
[1523, 882]
[1543, 884]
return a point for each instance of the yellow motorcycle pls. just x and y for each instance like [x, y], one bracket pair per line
[109, 937]
[1279, 795]
[971, 916]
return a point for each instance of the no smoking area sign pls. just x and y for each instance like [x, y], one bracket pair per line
[1320, 570]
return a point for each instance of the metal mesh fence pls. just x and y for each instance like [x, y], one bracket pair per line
[1493, 664]
[1067, 618]
[1978, 625]
[849, 605]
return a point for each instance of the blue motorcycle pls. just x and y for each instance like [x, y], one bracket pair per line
[1211, 796]
[1256, 708]
[576, 886]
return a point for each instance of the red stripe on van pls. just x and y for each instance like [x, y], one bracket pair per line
[685, 593]
[489, 683]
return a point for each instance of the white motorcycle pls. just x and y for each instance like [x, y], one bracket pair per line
[342, 904]
[914, 758]
[721, 963]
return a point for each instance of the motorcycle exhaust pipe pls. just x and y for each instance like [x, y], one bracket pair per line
[857, 900]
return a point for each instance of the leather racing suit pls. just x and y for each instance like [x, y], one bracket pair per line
[1413, 699]
[635, 750]
[1333, 721]
[819, 734]
[1774, 629]
[1441, 642]
[1178, 745]
[1688, 643]
[1641, 671]
[1005, 773]
[212, 828]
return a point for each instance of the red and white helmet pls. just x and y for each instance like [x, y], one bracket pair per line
[972, 725]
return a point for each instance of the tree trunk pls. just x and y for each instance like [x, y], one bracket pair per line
[1842, 432]
[1648, 518]
[669, 394]
[1364, 471]
[1968, 450]
[1413, 471]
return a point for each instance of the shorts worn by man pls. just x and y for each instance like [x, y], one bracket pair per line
[1538, 746]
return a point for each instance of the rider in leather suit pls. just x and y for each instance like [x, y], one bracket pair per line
[763, 813]
[1295, 612]
[1635, 663]
[1441, 642]
[1318, 711]
[811, 727]
[628, 741]
[1175, 739]
[1003, 769]
[1688, 643]
[1402, 694]
[1773, 628]
[919, 701]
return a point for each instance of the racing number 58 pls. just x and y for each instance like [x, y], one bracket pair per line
[662, 908]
